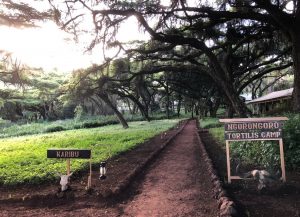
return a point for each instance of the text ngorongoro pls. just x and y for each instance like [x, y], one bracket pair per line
[253, 130]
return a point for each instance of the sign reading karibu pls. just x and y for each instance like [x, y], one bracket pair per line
[69, 153]
[249, 129]
[72, 154]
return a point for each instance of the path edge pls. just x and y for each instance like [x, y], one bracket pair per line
[227, 207]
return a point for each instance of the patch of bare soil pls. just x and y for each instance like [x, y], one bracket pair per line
[173, 183]
[280, 200]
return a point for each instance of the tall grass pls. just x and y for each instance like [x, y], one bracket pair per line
[23, 159]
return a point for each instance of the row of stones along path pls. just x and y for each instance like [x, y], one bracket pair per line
[176, 184]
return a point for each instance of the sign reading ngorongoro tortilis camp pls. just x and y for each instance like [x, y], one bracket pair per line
[253, 130]
[243, 129]
[69, 153]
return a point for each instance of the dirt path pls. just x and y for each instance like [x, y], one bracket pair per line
[176, 184]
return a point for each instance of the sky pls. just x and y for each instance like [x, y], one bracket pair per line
[48, 48]
[51, 48]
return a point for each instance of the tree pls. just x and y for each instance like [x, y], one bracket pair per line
[287, 21]
[21, 14]
[220, 39]
[93, 83]
[180, 25]
[34, 94]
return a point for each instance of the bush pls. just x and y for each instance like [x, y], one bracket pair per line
[292, 141]
[98, 124]
[54, 129]
[78, 126]
[264, 153]
[92, 124]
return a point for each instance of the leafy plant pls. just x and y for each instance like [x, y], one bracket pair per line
[54, 129]
[291, 134]
[264, 153]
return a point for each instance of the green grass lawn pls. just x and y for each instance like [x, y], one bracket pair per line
[218, 134]
[209, 122]
[23, 159]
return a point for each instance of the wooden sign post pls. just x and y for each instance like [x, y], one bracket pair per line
[253, 129]
[72, 154]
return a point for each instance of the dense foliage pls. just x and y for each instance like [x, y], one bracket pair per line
[292, 141]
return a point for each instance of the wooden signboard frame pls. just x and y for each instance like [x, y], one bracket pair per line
[254, 129]
[69, 154]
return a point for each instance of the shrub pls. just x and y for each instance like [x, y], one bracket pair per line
[54, 129]
[292, 141]
[78, 126]
[265, 153]
[98, 124]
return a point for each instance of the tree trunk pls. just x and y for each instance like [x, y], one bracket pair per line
[129, 106]
[192, 108]
[236, 103]
[229, 112]
[178, 107]
[214, 107]
[173, 106]
[143, 110]
[108, 102]
[197, 109]
[296, 60]
[223, 79]
[168, 101]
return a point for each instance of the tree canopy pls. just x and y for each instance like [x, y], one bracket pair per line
[232, 44]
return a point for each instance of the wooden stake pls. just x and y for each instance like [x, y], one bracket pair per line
[228, 162]
[282, 160]
[90, 176]
[68, 166]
